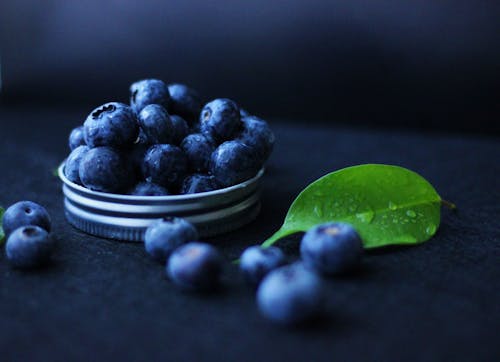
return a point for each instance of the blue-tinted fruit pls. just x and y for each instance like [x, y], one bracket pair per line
[331, 248]
[184, 102]
[148, 91]
[199, 183]
[257, 133]
[24, 213]
[198, 149]
[181, 129]
[102, 169]
[156, 124]
[148, 189]
[167, 234]
[72, 164]
[256, 262]
[29, 246]
[165, 165]
[220, 119]
[76, 138]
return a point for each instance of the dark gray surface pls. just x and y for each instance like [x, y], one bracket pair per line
[103, 300]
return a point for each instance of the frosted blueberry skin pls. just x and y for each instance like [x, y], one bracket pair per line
[257, 133]
[72, 164]
[156, 124]
[148, 91]
[148, 189]
[167, 234]
[331, 248]
[256, 262]
[24, 213]
[195, 266]
[234, 162]
[29, 246]
[290, 295]
[220, 119]
[185, 102]
[103, 169]
[181, 129]
[165, 165]
[198, 149]
[199, 183]
[111, 125]
[76, 138]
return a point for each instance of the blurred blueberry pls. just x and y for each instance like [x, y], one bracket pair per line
[290, 295]
[198, 149]
[72, 165]
[331, 248]
[76, 138]
[220, 119]
[199, 183]
[257, 133]
[112, 124]
[195, 266]
[29, 246]
[24, 213]
[244, 113]
[185, 102]
[102, 169]
[181, 129]
[234, 162]
[148, 189]
[148, 91]
[165, 165]
[156, 124]
[256, 262]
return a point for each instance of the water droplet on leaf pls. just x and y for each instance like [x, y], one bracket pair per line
[411, 213]
[431, 229]
[392, 205]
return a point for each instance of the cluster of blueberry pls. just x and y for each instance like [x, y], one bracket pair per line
[166, 142]
[27, 226]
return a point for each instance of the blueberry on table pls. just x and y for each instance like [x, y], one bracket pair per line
[256, 262]
[76, 138]
[165, 235]
[112, 124]
[103, 169]
[290, 295]
[199, 183]
[185, 102]
[72, 164]
[24, 213]
[29, 246]
[165, 165]
[198, 148]
[148, 189]
[220, 119]
[331, 248]
[156, 124]
[257, 133]
[148, 91]
[181, 129]
[234, 162]
[195, 266]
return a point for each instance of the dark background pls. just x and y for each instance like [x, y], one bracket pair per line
[421, 64]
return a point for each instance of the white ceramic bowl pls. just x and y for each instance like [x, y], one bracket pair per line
[126, 217]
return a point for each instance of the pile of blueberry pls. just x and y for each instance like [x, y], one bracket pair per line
[167, 142]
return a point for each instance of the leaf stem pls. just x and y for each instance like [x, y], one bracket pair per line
[448, 204]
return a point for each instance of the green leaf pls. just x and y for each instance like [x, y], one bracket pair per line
[386, 204]
[2, 234]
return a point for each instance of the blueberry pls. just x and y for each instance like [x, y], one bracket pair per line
[195, 266]
[256, 262]
[165, 165]
[148, 91]
[244, 113]
[148, 189]
[185, 102]
[165, 235]
[76, 138]
[112, 124]
[181, 129]
[220, 119]
[198, 149]
[156, 124]
[331, 248]
[234, 162]
[199, 183]
[72, 165]
[29, 246]
[256, 133]
[102, 169]
[24, 213]
[290, 294]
